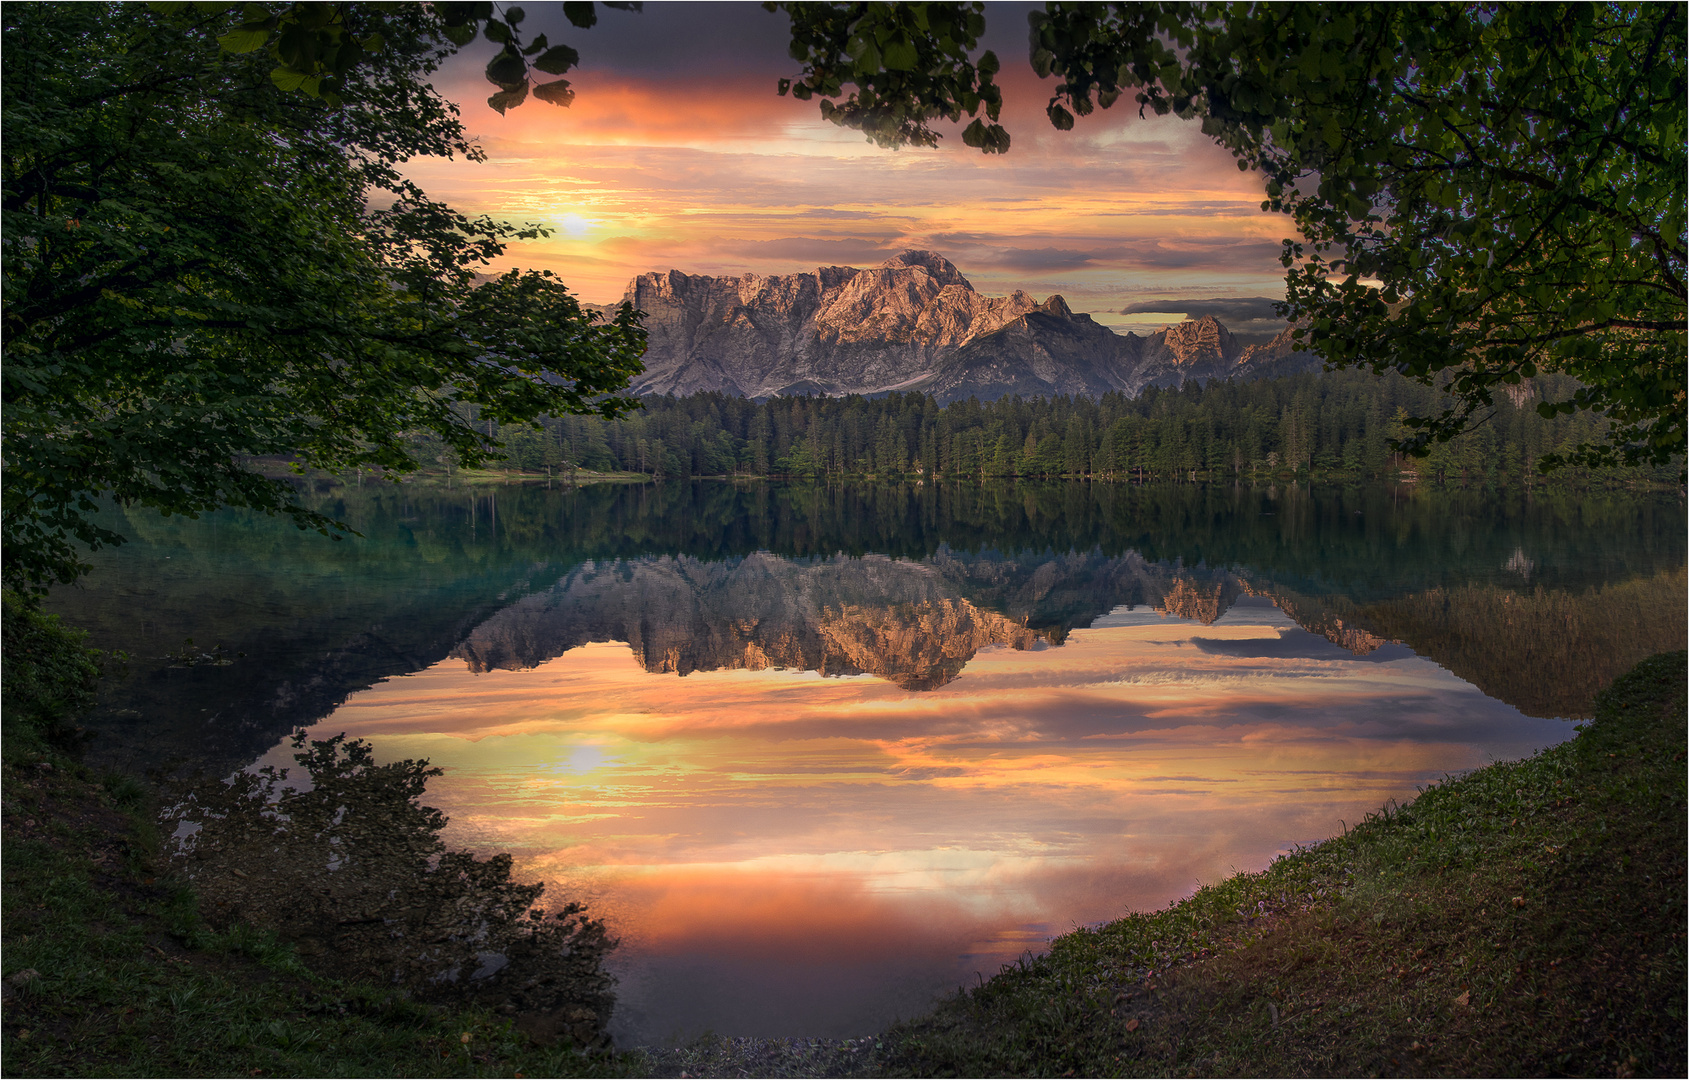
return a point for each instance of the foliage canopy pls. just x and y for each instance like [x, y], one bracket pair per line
[202, 266]
[317, 46]
[1484, 190]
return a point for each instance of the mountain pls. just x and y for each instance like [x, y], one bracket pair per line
[912, 323]
[835, 330]
[1047, 351]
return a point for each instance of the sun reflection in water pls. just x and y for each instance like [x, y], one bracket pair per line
[785, 853]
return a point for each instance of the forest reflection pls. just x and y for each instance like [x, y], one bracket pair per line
[1538, 600]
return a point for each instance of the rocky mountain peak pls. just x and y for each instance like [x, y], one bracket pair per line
[1056, 305]
[1202, 341]
[943, 271]
[911, 323]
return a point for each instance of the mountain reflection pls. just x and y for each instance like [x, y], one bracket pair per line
[1537, 601]
[914, 624]
[896, 619]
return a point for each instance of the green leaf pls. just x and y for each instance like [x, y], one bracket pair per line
[538, 45]
[1060, 117]
[514, 15]
[558, 60]
[509, 99]
[497, 31]
[900, 55]
[290, 80]
[245, 39]
[580, 13]
[506, 68]
[555, 93]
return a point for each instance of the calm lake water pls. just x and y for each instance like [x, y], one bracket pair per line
[820, 754]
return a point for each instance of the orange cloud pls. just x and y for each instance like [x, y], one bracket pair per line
[719, 175]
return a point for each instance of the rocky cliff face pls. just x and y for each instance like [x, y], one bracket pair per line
[912, 323]
[1047, 351]
[1195, 349]
[835, 330]
[1280, 356]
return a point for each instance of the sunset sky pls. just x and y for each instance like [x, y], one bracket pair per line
[678, 153]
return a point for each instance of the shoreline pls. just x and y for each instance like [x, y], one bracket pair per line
[1406, 479]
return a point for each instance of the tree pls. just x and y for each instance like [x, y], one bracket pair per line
[1481, 192]
[318, 47]
[202, 266]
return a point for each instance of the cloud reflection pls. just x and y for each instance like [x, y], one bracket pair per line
[741, 826]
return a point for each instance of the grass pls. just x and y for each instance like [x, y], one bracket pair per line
[1527, 918]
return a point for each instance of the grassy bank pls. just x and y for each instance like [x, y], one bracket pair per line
[1527, 919]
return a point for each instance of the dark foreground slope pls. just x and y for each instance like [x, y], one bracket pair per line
[1527, 919]
[114, 965]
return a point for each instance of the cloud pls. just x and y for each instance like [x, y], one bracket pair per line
[1043, 259]
[1251, 317]
[670, 39]
[1225, 308]
[1296, 645]
[678, 154]
[809, 251]
[1216, 253]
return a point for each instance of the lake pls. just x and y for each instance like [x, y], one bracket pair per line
[818, 754]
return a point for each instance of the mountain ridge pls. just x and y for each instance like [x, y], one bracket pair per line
[913, 323]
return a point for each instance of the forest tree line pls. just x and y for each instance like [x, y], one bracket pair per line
[1337, 424]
